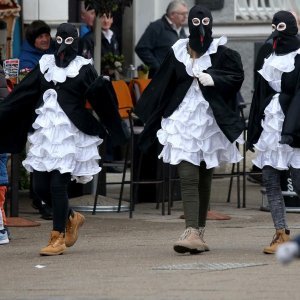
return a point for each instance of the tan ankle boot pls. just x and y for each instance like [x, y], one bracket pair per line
[190, 241]
[281, 236]
[75, 221]
[56, 244]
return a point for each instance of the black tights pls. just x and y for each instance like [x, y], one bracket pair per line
[52, 188]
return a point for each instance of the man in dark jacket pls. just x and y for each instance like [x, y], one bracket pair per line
[161, 34]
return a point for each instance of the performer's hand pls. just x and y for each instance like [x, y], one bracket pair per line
[205, 79]
[287, 252]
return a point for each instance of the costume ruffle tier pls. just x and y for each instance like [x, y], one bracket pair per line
[268, 149]
[191, 132]
[57, 144]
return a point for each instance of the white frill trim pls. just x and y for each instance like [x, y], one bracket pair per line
[57, 144]
[56, 74]
[275, 65]
[192, 134]
[269, 151]
[200, 64]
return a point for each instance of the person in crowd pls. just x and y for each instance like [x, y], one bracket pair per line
[274, 127]
[109, 44]
[109, 41]
[161, 34]
[37, 42]
[185, 107]
[4, 234]
[48, 108]
[88, 15]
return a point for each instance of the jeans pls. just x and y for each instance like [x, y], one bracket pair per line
[271, 181]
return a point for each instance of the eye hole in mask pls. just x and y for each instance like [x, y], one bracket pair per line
[59, 40]
[273, 27]
[196, 21]
[69, 40]
[205, 21]
[281, 26]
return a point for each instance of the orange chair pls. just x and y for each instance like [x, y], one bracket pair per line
[124, 97]
[137, 87]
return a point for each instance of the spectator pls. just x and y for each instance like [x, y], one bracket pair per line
[37, 43]
[161, 34]
[88, 15]
[3, 188]
[109, 42]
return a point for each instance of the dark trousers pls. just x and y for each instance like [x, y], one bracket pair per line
[195, 191]
[52, 187]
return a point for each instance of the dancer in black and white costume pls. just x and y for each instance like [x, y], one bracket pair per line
[190, 106]
[63, 135]
[274, 124]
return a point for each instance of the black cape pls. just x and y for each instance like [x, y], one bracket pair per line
[17, 110]
[289, 100]
[169, 87]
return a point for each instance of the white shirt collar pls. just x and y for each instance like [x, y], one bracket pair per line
[108, 34]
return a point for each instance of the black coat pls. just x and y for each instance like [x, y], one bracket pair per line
[156, 42]
[289, 100]
[169, 87]
[86, 45]
[17, 110]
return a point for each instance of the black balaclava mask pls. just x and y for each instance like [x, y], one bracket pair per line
[66, 44]
[200, 26]
[285, 29]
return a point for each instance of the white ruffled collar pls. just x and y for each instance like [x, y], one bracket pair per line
[275, 65]
[56, 74]
[199, 64]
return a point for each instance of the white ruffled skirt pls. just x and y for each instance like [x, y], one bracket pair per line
[268, 149]
[57, 144]
[191, 134]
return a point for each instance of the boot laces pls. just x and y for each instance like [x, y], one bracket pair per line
[275, 239]
[187, 233]
[201, 234]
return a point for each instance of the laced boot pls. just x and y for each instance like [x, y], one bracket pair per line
[75, 221]
[281, 236]
[190, 241]
[56, 244]
[201, 235]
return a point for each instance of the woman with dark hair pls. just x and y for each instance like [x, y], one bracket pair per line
[37, 43]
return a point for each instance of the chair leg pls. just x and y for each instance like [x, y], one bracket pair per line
[96, 195]
[238, 185]
[123, 177]
[230, 183]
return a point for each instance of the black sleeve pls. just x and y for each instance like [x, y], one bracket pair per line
[17, 112]
[229, 75]
[102, 97]
[153, 96]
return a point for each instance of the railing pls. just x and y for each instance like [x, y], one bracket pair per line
[262, 10]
